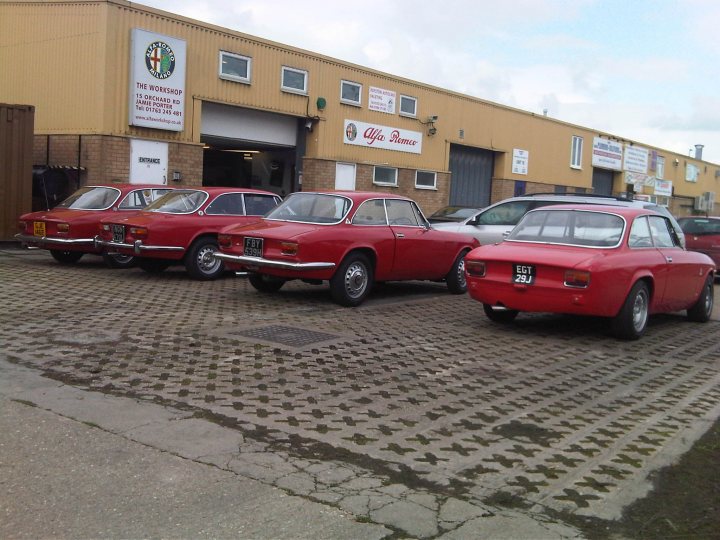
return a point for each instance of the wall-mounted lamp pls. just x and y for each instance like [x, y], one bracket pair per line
[430, 123]
[432, 131]
[177, 176]
[676, 162]
[309, 124]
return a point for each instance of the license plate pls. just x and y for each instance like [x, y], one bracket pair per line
[523, 274]
[253, 247]
[38, 228]
[118, 232]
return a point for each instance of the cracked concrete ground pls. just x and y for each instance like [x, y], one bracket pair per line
[412, 411]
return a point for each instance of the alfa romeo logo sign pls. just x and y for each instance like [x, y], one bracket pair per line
[160, 60]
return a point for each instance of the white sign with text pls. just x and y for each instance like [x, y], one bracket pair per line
[381, 100]
[377, 136]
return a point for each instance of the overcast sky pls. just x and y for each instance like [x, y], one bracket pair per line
[640, 69]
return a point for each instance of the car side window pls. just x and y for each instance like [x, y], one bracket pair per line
[401, 213]
[259, 205]
[504, 214]
[371, 213]
[661, 234]
[230, 204]
[640, 236]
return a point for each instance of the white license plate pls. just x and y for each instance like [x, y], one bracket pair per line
[523, 274]
[118, 232]
[253, 247]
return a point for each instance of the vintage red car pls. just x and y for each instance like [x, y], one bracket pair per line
[182, 226]
[622, 263]
[68, 230]
[351, 239]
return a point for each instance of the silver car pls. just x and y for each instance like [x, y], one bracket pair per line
[495, 222]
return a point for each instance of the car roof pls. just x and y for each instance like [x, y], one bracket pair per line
[217, 190]
[625, 211]
[359, 196]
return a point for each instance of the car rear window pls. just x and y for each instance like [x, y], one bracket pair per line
[700, 226]
[91, 198]
[570, 227]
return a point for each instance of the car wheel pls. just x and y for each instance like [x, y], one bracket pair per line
[153, 266]
[352, 280]
[455, 279]
[703, 308]
[265, 283]
[500, 315]
[118, 260]
[200, 260]
[631, 321]
[66, 257]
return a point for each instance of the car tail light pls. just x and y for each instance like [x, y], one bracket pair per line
[224, 240]
[577, 279]
[63, 227]
[138, 232]
[289, 248]
[475, 268]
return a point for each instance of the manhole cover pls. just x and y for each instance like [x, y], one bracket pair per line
[286, 335]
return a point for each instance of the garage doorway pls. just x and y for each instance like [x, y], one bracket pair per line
[471, 175]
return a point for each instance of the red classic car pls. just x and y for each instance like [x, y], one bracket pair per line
[68, 230]
[622, 263]
[182, 226]
[702, 234]
[351, 239]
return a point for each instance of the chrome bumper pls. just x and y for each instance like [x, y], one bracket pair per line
[53, 241]
[269, 263]
[138, 247]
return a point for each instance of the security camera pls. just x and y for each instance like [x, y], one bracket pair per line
[432, 118]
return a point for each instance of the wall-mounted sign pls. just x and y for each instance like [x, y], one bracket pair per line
[636, 159]
[377, 136]
[381, 100]
[157, 81]
[663, 188]
[521, 160]
[607, 154]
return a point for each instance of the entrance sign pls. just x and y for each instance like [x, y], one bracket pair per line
[377, 136]
[157, 81]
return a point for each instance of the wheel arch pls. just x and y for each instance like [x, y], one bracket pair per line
[364, 250]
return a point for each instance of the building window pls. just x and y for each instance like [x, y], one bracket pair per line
[350, 93]
[576, 152]
[425, 180]
[519, 188]
[294, 80]
[660, 168]
[561, 190]
[408, 106]
[385, 176]
[234, 67]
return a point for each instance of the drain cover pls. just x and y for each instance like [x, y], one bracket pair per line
[286, 335]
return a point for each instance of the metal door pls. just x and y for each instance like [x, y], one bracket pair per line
[602, 181]
[471, 176]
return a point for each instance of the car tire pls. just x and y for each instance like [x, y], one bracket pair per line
[500, 315]
[66, 257]
[352, 281]
[631, 321]
[118, 260]
[265, 283]
[153, 266]
[200, 262]
[455, 279]
[703, 308]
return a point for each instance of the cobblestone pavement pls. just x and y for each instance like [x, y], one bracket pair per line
[415, 392]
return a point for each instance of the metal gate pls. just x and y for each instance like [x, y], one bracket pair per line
[602, 181]
[471, 176]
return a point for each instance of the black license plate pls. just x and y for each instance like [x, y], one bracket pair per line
[523, 274]
[253, 247]
[118, 232]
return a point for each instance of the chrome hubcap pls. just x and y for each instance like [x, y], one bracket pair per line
[206, 261]
[461, 273]
[356, 280]
[640, 311]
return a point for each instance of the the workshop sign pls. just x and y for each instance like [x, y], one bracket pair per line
[157, 81]
[377, 136]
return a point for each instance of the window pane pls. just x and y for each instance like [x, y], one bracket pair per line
[504, 214]
[371, 213]
[385, 175]
[350, 92]
[407, 105]
[259, 205]
[425, 179]
[226, 205]
[401, 213]
[234, 66]
[661, 232]
[294, 79]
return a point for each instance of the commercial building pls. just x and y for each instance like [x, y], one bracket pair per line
[124, 92]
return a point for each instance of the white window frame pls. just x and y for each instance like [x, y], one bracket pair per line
[234, 78]
[376, 167]
[660, 168]
[401, 112]
[290, 89]
[434, 184]
[576, 150]
[357, 103]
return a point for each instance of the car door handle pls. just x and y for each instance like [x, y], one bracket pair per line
[668, 259]
[400, 235]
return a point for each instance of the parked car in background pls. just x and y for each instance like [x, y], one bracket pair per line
[182, 227]
[454, 214]
[495, 222]
[623, 263]
[351, 239]
[702, 234]
[68, 230]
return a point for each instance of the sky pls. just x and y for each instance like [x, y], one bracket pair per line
[643, 70]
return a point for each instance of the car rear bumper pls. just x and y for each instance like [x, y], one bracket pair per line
[137, 247]
[259, 262]
[51, 241]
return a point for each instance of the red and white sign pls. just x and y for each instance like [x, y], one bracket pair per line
[377, 136]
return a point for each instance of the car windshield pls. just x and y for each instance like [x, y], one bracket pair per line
[453, 213]
[312, 208]
[91, 198]
[181, 201]
[570, 227]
